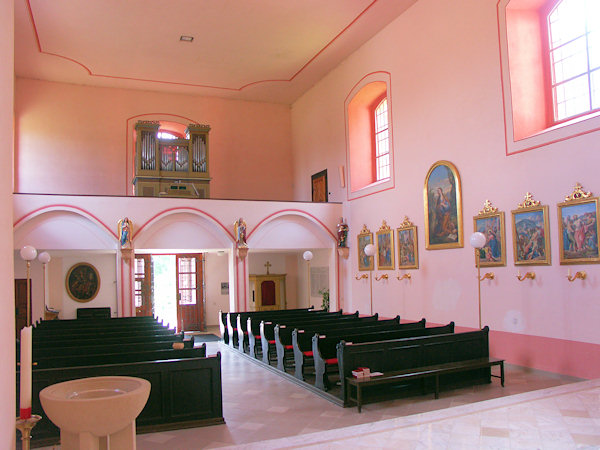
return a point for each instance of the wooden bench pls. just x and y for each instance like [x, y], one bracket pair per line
[410, 353]
[92, 340]
[420, 372]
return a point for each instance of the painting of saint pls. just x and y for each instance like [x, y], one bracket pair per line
[407, 248]
[443, 221]
[385, 250]
[365, 262]
[493, 253]
[578, 232]
[531, 241]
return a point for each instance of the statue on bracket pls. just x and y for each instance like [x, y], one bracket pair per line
[239, 230]
[125, 228]
[342, 235]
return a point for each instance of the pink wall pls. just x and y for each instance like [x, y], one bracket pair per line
[7, 324]
[73, 140]
[447, 104]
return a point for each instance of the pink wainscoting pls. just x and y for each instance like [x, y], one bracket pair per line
[72, 140]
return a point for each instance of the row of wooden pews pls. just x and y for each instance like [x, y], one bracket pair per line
[324, 348]
[185, 382]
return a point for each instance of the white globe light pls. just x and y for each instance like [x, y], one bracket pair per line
[308, 255]
[477, 240]
[370, 250]
[44, 257]
[28, 253]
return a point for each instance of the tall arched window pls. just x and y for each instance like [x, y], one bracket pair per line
[574, 45]
[382, 141]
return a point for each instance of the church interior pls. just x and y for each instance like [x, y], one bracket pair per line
[350, 153]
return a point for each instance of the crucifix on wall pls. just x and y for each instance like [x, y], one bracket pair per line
[267, 265]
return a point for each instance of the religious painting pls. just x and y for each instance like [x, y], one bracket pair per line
[408, 255]
[319, 186]
[365, 237]
[531, 238]
[82, 282]
[490, 222]
[578, 228]
[443, 207]
[385, 247]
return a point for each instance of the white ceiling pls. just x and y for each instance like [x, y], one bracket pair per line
[265, 50]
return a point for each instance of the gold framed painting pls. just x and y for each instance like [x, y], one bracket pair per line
[531, 237]
[82, 282]
[319, 186]
[443, 207]
[365, 237]
[490, 222]
[578, 228]
[408, 249]
[385, 247]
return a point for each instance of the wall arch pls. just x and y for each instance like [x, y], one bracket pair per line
[183, 229]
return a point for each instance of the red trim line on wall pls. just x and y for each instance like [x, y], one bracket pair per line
[90, 73]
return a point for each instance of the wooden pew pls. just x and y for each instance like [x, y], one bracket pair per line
[101, 347]
[223, 324]
[283, 334]
[241, 317]
[61, 323]
[185, 393]
[99, 334]
[302, 339]
[325, 347]
[91, 340]
[267, 331]
[243, 340]
[418, 355]
[126, 355]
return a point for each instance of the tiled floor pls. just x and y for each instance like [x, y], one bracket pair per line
[260, 406]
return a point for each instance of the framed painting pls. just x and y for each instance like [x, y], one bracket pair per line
[531, 238]
[408, 254]
[364, 238]
[82, 282]
[490, 222]
[319, 186]
[443, 207]
[578, 229]
[385, 247]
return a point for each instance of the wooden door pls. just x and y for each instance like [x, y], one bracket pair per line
[21, 304]
[143, 285]
[190, 295]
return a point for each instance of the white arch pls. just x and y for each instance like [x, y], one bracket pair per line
[183, 229]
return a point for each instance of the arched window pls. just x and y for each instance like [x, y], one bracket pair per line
[369, 136]
[382, 141]
[574, 51]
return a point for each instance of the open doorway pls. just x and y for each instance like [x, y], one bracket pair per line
[171, 287]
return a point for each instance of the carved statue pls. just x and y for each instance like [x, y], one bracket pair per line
[125, 230]
[342, 233]
[239, 228]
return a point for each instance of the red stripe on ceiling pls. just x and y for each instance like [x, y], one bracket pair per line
[92, 74]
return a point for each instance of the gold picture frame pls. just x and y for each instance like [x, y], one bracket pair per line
[531, 233]
[490, 222]
[82, 282]
[408, 246]
[578, 228]
[443, 207]
[364, 238]
[385, 247]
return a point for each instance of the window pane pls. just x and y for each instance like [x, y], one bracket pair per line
[187, 297]
[594, 48]
[187, 264]
[572, 98]
[139, 266]
[595, 79]
[569, 60]
[567, 22]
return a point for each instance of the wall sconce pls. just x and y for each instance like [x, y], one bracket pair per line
[406, 275]
[370, 251]
[477, 241]
[528, 275]
[581, 275]
[361, 277]
[382, 277]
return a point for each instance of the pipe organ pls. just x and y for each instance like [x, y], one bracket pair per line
[171, 167]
